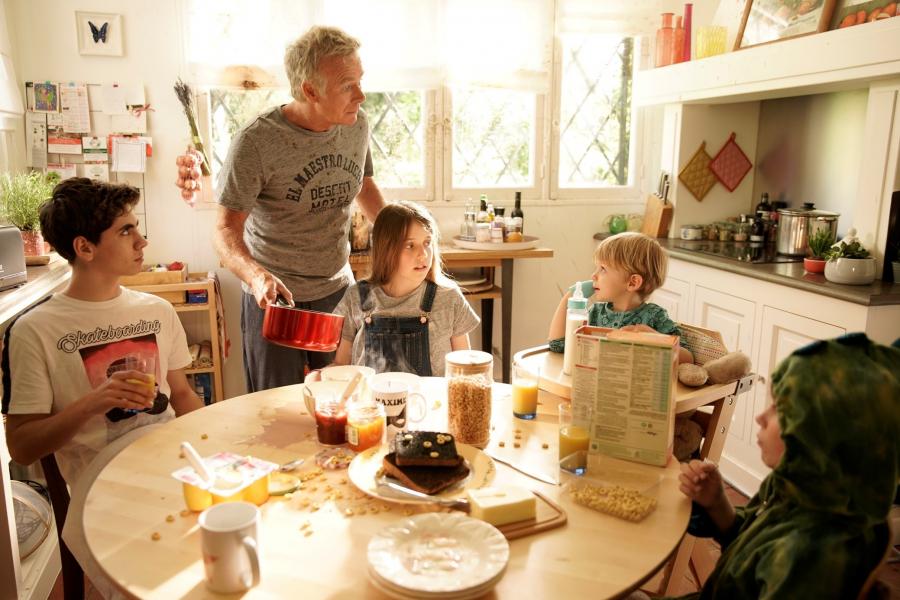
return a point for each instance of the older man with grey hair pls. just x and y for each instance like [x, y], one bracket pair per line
[284, 199]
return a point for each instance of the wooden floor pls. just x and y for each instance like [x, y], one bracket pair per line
[889, 575]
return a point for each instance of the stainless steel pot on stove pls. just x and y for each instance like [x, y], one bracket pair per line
[796, 225]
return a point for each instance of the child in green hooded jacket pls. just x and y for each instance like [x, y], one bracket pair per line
[818, 525]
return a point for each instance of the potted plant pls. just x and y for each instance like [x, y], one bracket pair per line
[21, 197]
[849, 262]
[819, 244]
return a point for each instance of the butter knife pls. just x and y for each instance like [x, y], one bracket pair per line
[457, 504]
[534, 475]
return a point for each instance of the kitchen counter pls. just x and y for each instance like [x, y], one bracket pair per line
[42, 281]
[792, 275]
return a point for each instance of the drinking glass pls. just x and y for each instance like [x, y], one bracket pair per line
[574, 439]
[710, 40]
[525, 390]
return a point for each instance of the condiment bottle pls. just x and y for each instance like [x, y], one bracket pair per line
[470, 377]
[664, 41]
[576, 316]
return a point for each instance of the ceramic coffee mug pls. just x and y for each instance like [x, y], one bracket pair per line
[229, 539]
[395, 397]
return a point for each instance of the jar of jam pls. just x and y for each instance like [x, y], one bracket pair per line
[469, 379]
[331, 422]
[365, 425]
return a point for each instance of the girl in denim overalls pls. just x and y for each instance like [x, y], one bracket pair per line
[406, 315]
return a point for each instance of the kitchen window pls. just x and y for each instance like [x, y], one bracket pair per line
[543, 108]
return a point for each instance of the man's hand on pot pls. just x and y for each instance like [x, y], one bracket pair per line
[266, 288]
[189, 174]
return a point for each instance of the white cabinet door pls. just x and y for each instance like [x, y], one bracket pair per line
[731, 316]
[674, 296]
[781, 333]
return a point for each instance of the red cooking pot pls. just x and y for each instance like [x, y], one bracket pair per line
[302, 329]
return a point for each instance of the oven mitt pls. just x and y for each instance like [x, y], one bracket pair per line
[696, 176]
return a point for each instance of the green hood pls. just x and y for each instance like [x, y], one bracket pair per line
[838, 404]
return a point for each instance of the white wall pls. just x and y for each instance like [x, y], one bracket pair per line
[46, 49]
[809, 150]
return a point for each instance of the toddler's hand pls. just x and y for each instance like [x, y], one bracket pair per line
[701, 482]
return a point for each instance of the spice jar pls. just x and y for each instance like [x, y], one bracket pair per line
[469, 379]
[365, 425]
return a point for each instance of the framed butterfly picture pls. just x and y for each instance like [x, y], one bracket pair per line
[99, 33]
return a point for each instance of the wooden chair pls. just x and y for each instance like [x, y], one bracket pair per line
[73, 576]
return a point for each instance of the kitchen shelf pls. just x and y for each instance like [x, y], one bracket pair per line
[191, 307]
[831, 61]
[196, 281]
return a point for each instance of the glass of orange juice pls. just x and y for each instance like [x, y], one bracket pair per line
[142, 364]
[574, 438]
[525, 390]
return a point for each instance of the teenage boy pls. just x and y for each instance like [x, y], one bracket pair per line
[95, 361]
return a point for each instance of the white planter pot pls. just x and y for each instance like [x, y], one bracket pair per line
[852, 271]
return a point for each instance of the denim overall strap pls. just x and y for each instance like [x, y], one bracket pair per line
[399, 343]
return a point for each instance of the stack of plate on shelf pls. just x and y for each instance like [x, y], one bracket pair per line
[446, 556]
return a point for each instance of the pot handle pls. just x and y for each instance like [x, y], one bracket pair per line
[282, 301]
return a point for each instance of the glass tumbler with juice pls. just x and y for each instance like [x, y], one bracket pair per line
[525, 390]
[574, 439]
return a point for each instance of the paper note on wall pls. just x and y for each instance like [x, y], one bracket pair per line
[97, 171]
[113, 99]
[128, 155]
[64, 171]
[94, 149]
[36, 140]
[128, 123]
[74, 108]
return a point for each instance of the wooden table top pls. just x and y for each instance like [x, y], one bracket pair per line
[556, 382]
[593, 555]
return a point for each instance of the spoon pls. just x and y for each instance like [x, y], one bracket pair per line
[290, 466]
[201, 467]
[351, 385]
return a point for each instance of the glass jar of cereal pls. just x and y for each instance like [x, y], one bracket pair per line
[469, 379]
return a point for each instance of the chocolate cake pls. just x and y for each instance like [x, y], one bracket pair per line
[425, 449]
[428, 480]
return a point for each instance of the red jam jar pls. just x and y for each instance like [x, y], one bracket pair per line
[331, 422]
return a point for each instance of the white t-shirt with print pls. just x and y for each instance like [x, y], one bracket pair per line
[61, 349]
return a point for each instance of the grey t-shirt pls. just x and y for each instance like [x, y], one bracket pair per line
[297, 186]
[450, 316]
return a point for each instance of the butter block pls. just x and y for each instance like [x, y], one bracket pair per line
[502, 504]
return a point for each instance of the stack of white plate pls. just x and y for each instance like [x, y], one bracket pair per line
[446, 556]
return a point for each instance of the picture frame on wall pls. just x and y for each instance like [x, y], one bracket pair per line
[767, 21]
[99, 33]
[856, 12]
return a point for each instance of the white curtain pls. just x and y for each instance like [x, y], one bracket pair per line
[406, 44]
[619, 17]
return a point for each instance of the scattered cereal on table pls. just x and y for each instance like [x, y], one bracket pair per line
[203, 436]
[185, 513]
[314, 507]
[348, 512]
[304, 525]
[307, 533]
[181, 454]
[343, 481]
[616, 501]
[501, 444]
[155, 537]
[517, 445]
[170, 518]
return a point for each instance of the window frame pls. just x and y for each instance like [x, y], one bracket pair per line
[605, 194]
[460, 194]
[438, 151]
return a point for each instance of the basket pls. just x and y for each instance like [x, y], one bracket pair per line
[704, 344]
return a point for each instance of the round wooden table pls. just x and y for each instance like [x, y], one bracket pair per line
[592, 555]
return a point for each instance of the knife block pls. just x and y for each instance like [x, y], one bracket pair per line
[657, 217]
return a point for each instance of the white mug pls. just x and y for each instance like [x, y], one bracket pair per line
[229, 539]
[395, 397]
